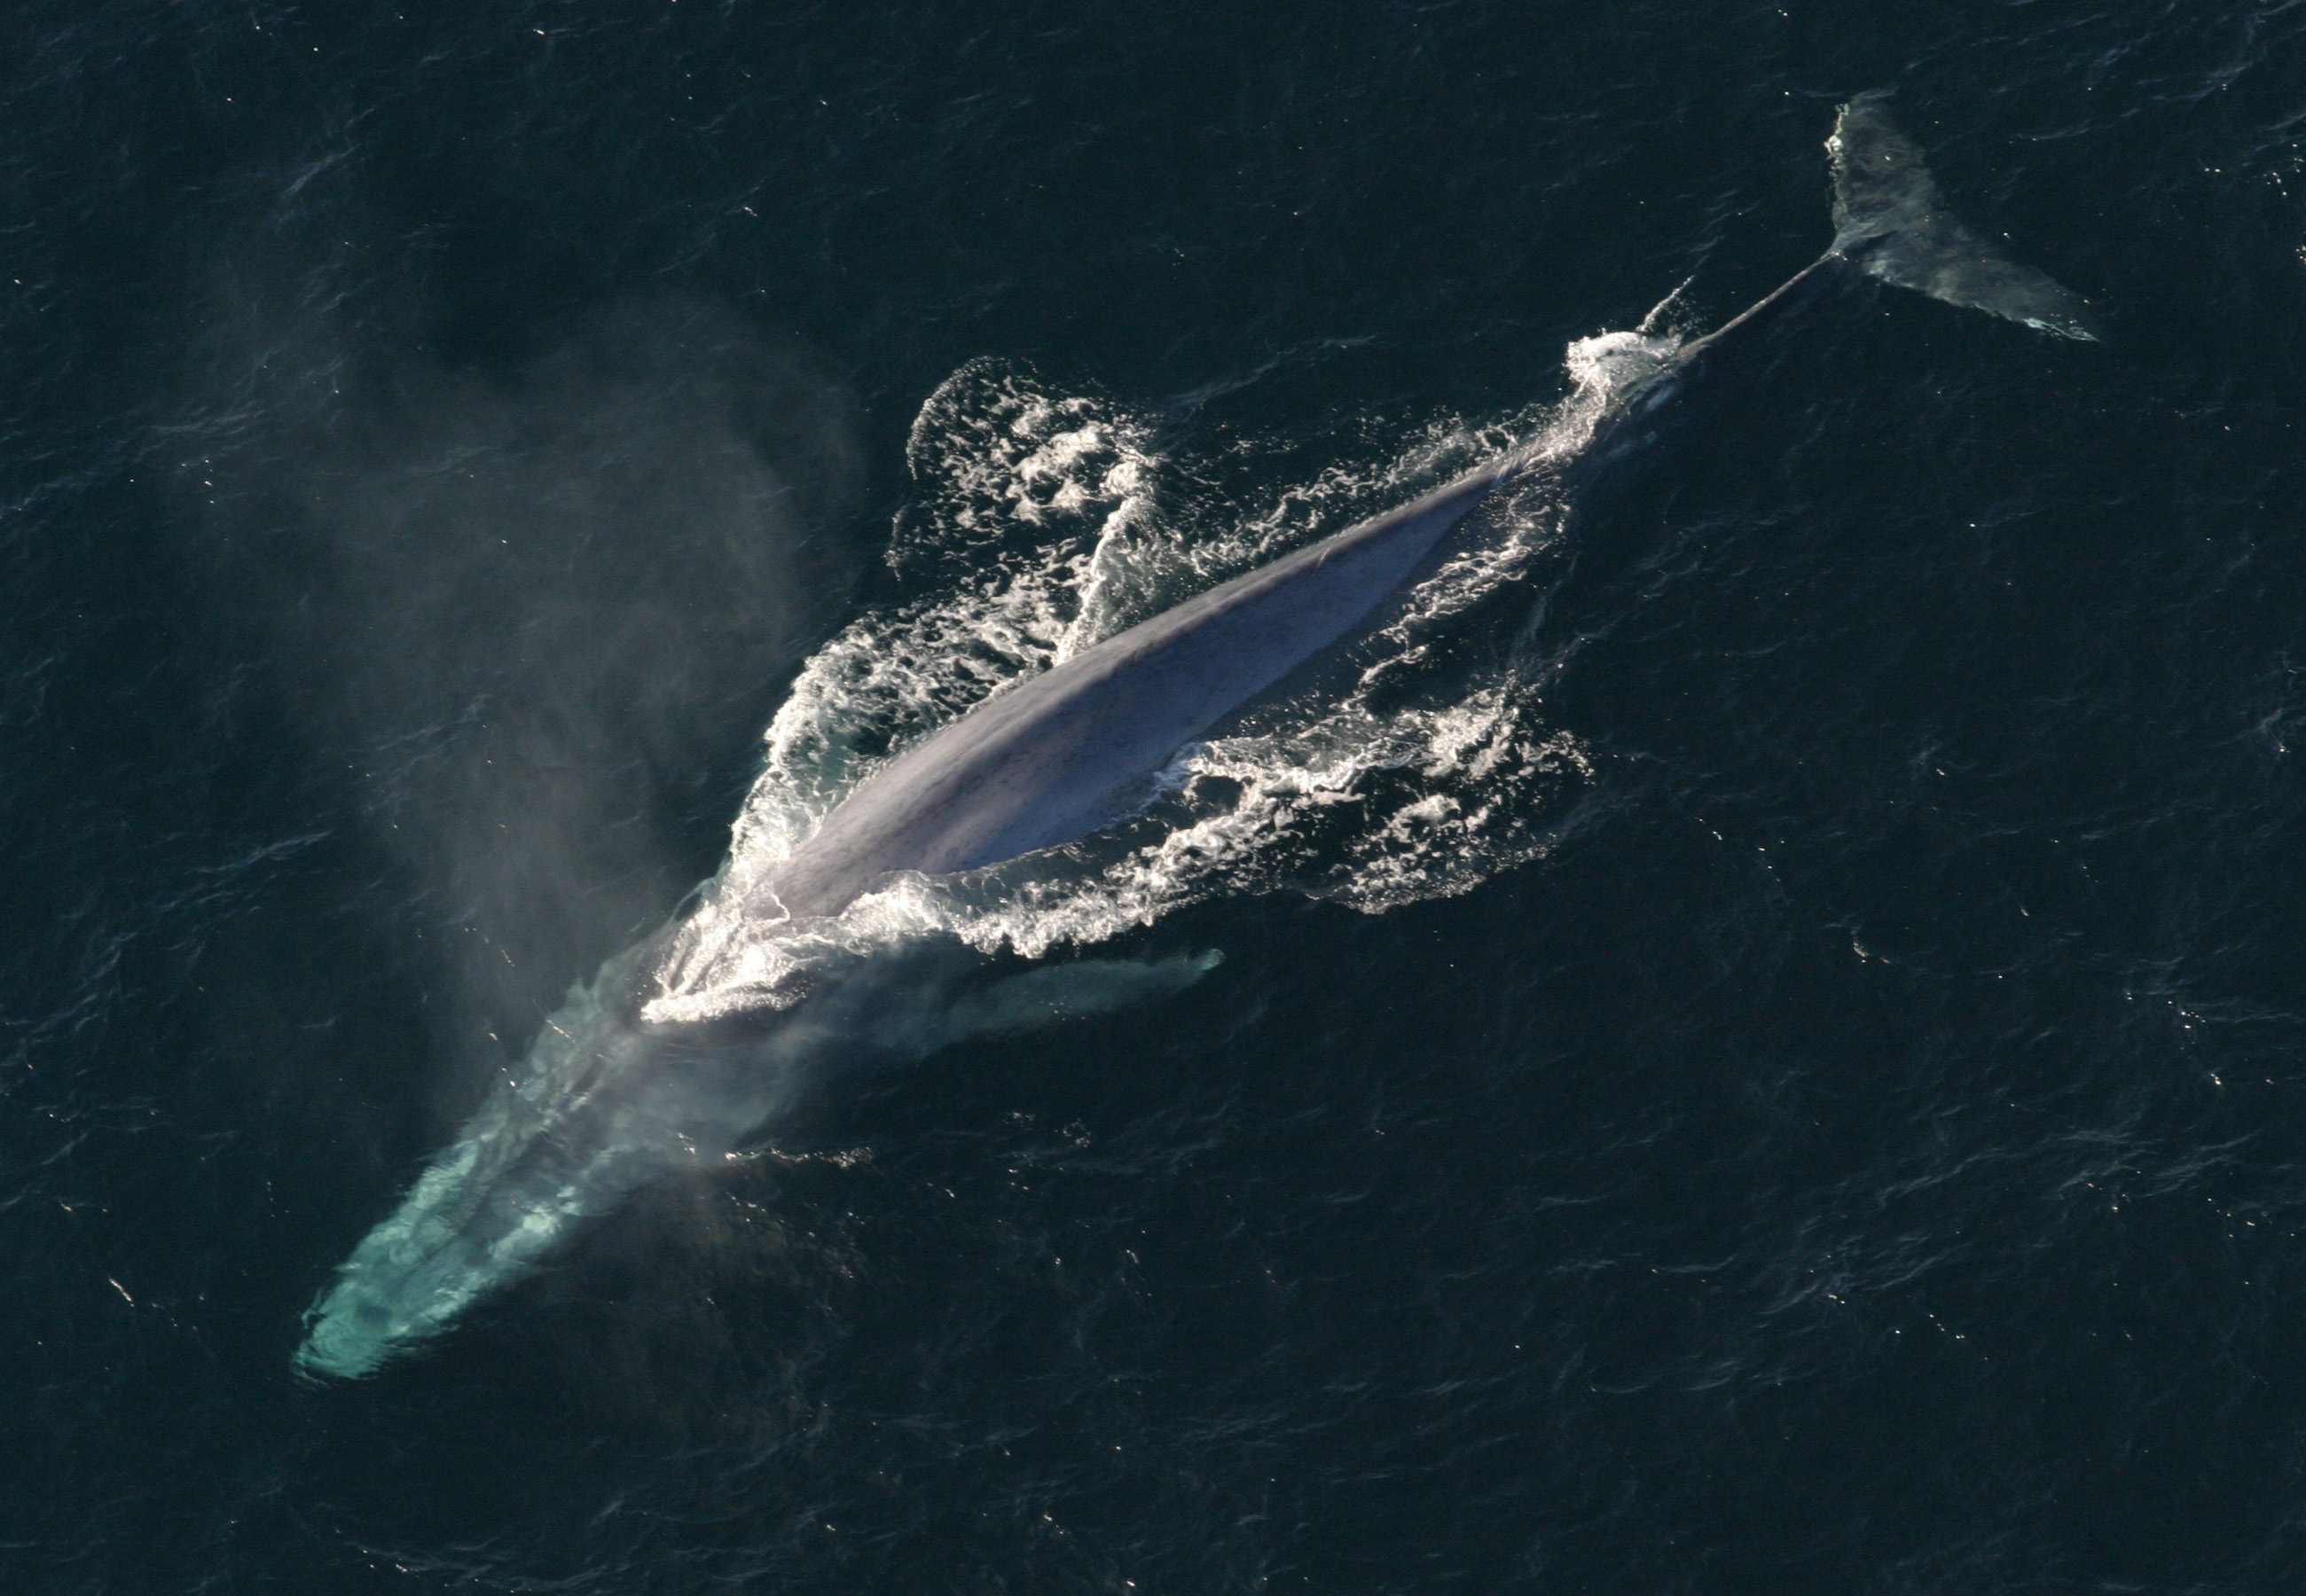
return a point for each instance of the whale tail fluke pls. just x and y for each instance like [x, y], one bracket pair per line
[1890, 222]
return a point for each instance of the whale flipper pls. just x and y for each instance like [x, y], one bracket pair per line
[1889, 221]
[1080, 990]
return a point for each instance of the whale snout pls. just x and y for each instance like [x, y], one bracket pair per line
[601, 1111]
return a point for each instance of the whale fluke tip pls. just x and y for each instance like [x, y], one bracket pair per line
[1890, 222]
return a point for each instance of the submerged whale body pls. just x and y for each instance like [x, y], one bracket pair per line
[609, 1100]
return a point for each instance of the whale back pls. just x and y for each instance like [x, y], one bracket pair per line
[1067, 751]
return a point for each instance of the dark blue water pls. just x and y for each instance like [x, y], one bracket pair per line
[1859, 1145]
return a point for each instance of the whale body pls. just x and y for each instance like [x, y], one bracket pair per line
[1062, 755]
[609, 1100]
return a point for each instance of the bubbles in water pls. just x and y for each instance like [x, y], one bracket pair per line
[1608, 365]
[1044, 523]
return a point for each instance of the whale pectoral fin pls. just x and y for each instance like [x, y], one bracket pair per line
[1077, 991]
[1891, 223]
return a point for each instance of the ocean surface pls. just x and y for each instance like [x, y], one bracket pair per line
[1756, 1039]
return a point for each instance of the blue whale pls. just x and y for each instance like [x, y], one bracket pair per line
[609, 1100]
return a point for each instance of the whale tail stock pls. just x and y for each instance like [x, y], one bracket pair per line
[1890, 223]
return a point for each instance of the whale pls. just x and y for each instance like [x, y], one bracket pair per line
[610, 1100]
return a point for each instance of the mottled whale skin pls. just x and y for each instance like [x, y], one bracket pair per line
[608, 1101]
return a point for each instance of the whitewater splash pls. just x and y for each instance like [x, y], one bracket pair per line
[1057, 526]
[1042, 523]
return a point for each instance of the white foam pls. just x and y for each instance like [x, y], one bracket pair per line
[1044, 522]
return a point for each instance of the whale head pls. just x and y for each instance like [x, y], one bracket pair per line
[602, 1107]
